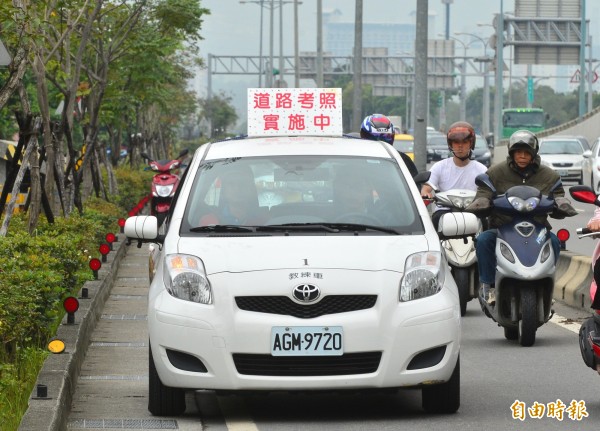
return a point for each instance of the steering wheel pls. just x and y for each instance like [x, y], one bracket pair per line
[358, 218]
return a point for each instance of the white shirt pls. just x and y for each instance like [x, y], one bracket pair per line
[445, 175]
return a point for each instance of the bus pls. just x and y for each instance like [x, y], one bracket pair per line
[532, 119]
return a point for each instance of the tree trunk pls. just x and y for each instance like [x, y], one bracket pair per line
[31, 146]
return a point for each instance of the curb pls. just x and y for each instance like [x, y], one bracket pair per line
[60, 371]
[573, 278]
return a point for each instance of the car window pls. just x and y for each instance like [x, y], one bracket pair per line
[481, 143]
[404, 145]
[561, 147]
[437, 141]
[300, 189]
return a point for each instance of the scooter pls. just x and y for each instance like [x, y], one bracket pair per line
[589, 332]
[460, 252]
[164, 184]
[525, 262]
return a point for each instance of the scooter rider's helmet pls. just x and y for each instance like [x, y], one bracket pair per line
[460, 131]
[523, 140]
[377, 127]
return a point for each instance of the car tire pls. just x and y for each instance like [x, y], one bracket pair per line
[163, 400]
[443, 398]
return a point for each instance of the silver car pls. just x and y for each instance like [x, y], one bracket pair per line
[565, 155]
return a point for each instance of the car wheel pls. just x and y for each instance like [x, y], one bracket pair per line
[444, 398]
[163, 400]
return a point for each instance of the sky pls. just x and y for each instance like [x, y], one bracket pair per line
[233, 28]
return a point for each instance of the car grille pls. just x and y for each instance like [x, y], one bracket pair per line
[305, 366]
[331, 304]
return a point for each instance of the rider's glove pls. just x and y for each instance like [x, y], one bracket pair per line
[481, 207]
[563, 208]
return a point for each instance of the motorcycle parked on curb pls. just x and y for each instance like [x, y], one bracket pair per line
[589, 332]
[460, 251]
[525, 262]
[164, 184]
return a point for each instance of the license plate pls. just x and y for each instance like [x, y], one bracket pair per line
[563, 173]
[307, 341]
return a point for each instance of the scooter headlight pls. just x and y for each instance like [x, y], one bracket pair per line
[461, 201]
[507, 253]
[185, 278]
[545, 253]
[522, 205]
[423, 275]
[164, 191]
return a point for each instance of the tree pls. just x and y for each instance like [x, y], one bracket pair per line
[219, 112]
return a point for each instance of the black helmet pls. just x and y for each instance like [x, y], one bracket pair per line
[377, 127]
[460, 131]
[523, 140]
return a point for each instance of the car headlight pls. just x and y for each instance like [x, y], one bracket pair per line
[185, 278]
[423, 275]
[164, 191]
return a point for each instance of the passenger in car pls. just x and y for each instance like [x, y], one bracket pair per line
[238, 201]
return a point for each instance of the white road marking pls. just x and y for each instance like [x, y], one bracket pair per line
[569, 324]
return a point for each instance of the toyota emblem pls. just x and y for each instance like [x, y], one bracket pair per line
[306, 293]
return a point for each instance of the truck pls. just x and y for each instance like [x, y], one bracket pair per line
[532, 119]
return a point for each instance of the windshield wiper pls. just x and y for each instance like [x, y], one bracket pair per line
[297, 227]
[328, 227]
[222, 228]
[362, 227]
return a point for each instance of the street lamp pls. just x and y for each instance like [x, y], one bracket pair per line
[463, 79]
[485, 120]
[270, 4]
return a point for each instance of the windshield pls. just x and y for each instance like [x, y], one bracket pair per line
[438, 142]
[268, 191]
[561, 147]
[404, 145]
[523, 119]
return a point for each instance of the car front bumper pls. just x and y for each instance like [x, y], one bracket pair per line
[418, 342]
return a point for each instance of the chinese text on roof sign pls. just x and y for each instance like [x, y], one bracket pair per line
[294, 111]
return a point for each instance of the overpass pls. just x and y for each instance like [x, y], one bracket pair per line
[588, 126]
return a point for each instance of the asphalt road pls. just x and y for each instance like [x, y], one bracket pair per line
[111, 391]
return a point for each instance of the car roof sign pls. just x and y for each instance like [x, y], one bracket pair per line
[294, 111]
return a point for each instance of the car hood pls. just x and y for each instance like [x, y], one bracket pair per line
[242, 254]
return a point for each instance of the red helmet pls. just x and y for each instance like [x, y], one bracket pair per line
[461, 131]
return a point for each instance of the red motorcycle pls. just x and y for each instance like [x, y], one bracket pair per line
[164, 184]
[589, 333]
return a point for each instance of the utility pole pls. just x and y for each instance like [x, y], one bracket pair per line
[498, 100]
[296, 50]
[357, 95]
[420, 109]
[319, 43]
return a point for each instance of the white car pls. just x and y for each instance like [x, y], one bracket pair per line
[299, 292]
[565, 155]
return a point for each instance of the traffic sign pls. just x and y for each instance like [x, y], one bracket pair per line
[577, 77]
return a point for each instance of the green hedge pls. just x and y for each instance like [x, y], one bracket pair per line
[37, 272]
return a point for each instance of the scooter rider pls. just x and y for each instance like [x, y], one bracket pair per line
[457, 172]
[378, 127]
[522, 167]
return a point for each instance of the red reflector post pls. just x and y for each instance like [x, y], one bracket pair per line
[71, 305]
[563, 235]
[122, 224]
[95, 265]
[104, 250]
[110, 238]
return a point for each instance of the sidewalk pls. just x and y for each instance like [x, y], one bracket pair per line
[109, 334]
